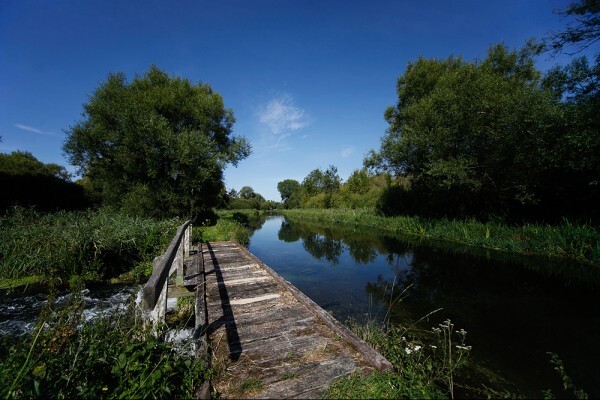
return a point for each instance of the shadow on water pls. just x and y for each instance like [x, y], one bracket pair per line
[515, 308]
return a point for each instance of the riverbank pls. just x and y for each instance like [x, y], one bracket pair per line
[41, 250]
[577, 242]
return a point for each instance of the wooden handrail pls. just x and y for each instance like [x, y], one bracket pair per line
[163, 266]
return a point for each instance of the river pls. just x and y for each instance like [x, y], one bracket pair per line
[514, 308]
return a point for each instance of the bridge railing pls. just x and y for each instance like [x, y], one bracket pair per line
[154, 294]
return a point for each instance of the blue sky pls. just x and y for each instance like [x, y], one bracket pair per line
[308, 81]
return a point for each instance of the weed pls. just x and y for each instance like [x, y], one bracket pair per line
[114, 356]
[422, 364]
[249, 385]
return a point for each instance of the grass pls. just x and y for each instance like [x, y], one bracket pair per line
[424, 366]
[577, 242]
[112, 357]
[234, 225]
[96, 245]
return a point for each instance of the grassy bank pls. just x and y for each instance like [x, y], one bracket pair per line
[433, 364]
[226, 225]
[578, 242]
[95, 245]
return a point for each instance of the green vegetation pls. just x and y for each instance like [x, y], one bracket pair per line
[155, 146]
[93, 244]
[28, 182]
[324, 189]
[225, 228]
[247, 199]
[111, 357]
[579, 242]
[429, 364]
[493, 137]
[425, 366]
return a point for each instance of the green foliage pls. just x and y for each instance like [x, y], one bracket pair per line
[113, 357]
[325, 190]
[291, 192]
[159, 138]
[478, 138]
[95, 244]
[24, 163]
[247, 198]
[28, 182]
[317, 182]
[422, 364]
[228, 226]
[568, 384]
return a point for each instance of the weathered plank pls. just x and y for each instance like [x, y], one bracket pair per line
[262, 328]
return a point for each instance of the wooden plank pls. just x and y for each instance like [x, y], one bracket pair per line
[261, 327]
[363, 348]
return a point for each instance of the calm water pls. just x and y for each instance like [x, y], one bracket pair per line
[514, 310]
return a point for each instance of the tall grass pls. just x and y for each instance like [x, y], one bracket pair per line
[578, 242]
[93, 244]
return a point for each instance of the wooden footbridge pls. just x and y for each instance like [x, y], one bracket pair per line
[264, 338]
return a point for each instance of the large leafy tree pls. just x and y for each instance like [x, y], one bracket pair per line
[478, 136]
[318, 181]
[155, 145]
[290, 191]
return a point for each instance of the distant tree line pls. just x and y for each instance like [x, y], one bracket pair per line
[247, 198]
[325, 189]
[27, 182]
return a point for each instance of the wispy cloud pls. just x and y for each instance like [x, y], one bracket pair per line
[32, 129]
[27, 128]
[347, 151]
[282, 117]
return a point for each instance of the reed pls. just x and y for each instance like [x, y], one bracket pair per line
[579, 242]
[93, 244]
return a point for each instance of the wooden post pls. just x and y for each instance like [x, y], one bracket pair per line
[179, 264]
[186, 241]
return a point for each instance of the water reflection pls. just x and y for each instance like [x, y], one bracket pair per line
[515, 308]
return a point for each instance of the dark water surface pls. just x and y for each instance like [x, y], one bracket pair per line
[515, 309]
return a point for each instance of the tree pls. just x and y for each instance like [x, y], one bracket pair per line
[583, 32]
[156, 145]
[290, 191]
[476, 137]
[24, 163]
[28, 182]
[288, 188]
[247, 192]
[248, 199]
[318, 181]
[359, 182]
[233, 194]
